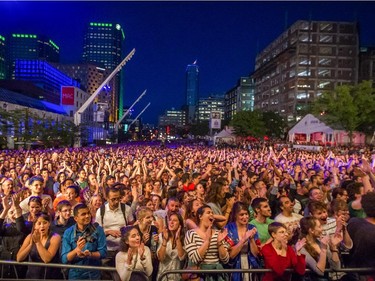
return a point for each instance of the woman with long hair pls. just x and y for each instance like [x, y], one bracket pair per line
[41, 246]
[149, 234]
[170, 251]
[242, 237]
[133, 256]
[278, 255]
[204, 245]
[321, 253]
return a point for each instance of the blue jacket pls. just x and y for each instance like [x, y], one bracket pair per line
[69, 243]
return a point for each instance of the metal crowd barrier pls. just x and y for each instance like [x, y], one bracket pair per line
[256, 270]
[180, 271]
[54, 265]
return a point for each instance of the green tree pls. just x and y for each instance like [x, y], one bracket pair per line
[248, 123]
[275, 125]
[348, 107]
[200, 129]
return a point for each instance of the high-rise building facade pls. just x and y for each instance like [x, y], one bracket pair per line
[30, 47]
[304, 61]
[367, 64]
[207, 105]
[103, 46]
[192, 90]
[2, 57]
[173, 117]
[240, 97]
[44, 76]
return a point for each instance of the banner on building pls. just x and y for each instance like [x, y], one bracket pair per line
[67, 95]
[215, 120]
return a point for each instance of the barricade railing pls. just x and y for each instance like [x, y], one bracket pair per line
[53, 265]
[363, 270]
[256, 270]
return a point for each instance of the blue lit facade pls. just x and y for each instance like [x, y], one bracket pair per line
[192, 84]
[30, 47]
[2, 58]
[45, 76]
[192, 91]
[103, 46]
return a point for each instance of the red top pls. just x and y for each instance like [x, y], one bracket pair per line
[190, 187]
[279, 263]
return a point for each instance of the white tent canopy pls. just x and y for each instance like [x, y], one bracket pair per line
[225, 135]
[309, 125]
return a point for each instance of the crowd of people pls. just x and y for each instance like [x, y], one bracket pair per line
[147, 209]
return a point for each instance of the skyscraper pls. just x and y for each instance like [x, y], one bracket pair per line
[103, 46]
[192, 90]
[2, 58]
[30, 47]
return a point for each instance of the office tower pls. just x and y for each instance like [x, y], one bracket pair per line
[89, 75]
[2, 58]
[366, 64]
[304, 61]
[192, 90]
[30, 47]
[207, 105]
[240, 97]
[103, 46]
[45, 76]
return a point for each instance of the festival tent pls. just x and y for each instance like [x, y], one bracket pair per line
[226, 135]
[312, 130]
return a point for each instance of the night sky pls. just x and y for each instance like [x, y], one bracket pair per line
[224, 37]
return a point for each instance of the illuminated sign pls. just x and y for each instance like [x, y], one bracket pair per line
[67, 95]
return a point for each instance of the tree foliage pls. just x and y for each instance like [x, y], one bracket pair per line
[351, 108]
[28, 127]
[248, 123]
[275, 125]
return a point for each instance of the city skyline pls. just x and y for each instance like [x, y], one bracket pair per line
[223, 37]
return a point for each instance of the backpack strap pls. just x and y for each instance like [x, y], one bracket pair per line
[123, 209]
[102, 211]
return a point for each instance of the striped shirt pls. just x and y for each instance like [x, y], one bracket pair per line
[193, 242]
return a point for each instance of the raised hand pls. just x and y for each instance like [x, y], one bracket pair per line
[222, 234]
[6, 203]
[146, 237]
[177, 237]
[300, 244]
[324, 241]
[141, 250]
[336, 239]
[250, 233]
[130, 256]
[36, 236]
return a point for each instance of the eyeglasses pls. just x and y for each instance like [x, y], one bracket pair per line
[115, 199]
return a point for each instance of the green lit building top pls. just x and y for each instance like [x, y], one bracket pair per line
[30, 47]
[103, 43]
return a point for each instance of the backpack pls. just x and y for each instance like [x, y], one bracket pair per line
[123, 209]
